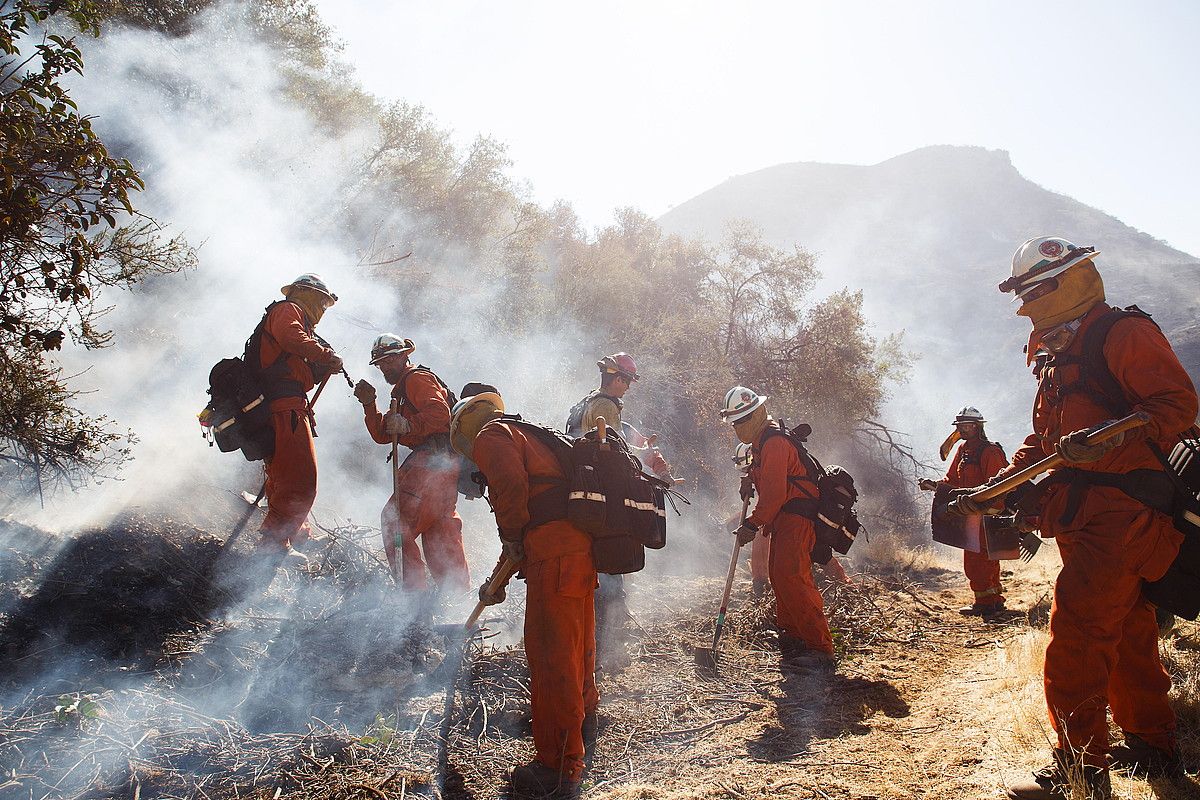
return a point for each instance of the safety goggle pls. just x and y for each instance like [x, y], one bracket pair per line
[1040, 290]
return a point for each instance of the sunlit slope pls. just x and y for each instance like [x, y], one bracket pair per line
[928, 236]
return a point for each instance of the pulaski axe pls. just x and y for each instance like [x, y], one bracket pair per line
[1001, 488]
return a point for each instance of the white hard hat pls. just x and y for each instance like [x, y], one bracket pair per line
[389, 344]
[311, 281]
[969, 414]
[740, 403]
[1040, 258]
[742, 457]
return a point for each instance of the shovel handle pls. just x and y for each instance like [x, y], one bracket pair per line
[1134, 420]
[500, 578]
[733, 559]
[601, 431]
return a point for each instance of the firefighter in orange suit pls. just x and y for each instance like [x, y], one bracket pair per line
[292, 359]
[779, 478]
[760, 548]
[556, 562]
[423, 507]
[975, 462]
[1103, 651]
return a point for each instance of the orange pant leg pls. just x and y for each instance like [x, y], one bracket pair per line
[291, 479]
[559, 604]
[984, 577]
[1138, 684]
[799, 609]
[760, 557]
[440, 529]
[1097, 604]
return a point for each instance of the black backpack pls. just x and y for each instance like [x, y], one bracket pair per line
[832, 510]
[238, 415]
[607, 495]
[574, 424]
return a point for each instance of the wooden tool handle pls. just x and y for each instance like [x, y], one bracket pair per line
[1134, 420]
[500, 578]
[601, 430]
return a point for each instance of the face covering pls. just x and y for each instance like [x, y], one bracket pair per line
[311, 301]
[749, 430]
[1079, 289]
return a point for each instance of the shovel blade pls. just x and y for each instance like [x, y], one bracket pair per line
[706, 659]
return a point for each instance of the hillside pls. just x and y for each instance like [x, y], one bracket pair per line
[928, 235]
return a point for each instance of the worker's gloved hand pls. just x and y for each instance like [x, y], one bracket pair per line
[335, 364]
[746, 490]
[364, 393]
[394, 424]
[491, 599]
[961, 503]
[513, 549]
[927, 485]
[1075, 450]
[745, 533]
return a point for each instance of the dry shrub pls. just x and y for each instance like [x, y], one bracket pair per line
[1021, 663]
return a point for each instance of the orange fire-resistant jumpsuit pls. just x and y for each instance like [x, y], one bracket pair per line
[973, 464]
[760, 560]
[292, 470]
[428, 486]
[780, 476]
[560, 624]
[1103, 639]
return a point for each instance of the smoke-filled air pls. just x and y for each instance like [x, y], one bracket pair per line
[336, 462]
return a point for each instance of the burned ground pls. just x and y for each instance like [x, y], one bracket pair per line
[332, 685]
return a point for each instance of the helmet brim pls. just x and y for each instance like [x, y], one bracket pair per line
[1020, 293]
[737, 416]
[403, 351]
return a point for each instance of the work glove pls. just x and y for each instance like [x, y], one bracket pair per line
[335, 364]
[394, 424]
[1074, 450]
[513, 549]
[927, 485]
[364, 393]
[746, 490]
[745, 533]
[491, 599]
[961, 503]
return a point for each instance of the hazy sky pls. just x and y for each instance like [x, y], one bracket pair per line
[649, 103]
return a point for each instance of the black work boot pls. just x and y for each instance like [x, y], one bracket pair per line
[536, 780]
[1053, 782]
[759, 587]
[1138, 757]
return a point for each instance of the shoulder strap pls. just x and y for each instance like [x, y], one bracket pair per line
[811, 464]
[559, 443]
[1096, 370]
[403, 393]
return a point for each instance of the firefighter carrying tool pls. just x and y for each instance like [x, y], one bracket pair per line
[779, 475]
[555, 559]
[975, 462]
[293, 360]
[1102, 502]
[425, 485]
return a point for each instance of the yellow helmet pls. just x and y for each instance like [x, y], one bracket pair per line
[468, 417]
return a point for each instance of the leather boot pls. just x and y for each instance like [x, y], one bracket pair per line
[536, 780]
[986, 611]
[1053, 782]
[1138, 757]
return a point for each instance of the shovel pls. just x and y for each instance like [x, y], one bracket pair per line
[706, 657]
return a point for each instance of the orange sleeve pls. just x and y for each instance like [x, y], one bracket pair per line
[1030, 452]
[772, 483]
[374, 419]
[1143, 362]
[502, 462]
[992, 461]
[285, 324]
[427, 410]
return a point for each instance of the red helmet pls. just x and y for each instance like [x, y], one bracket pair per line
[619, 364]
